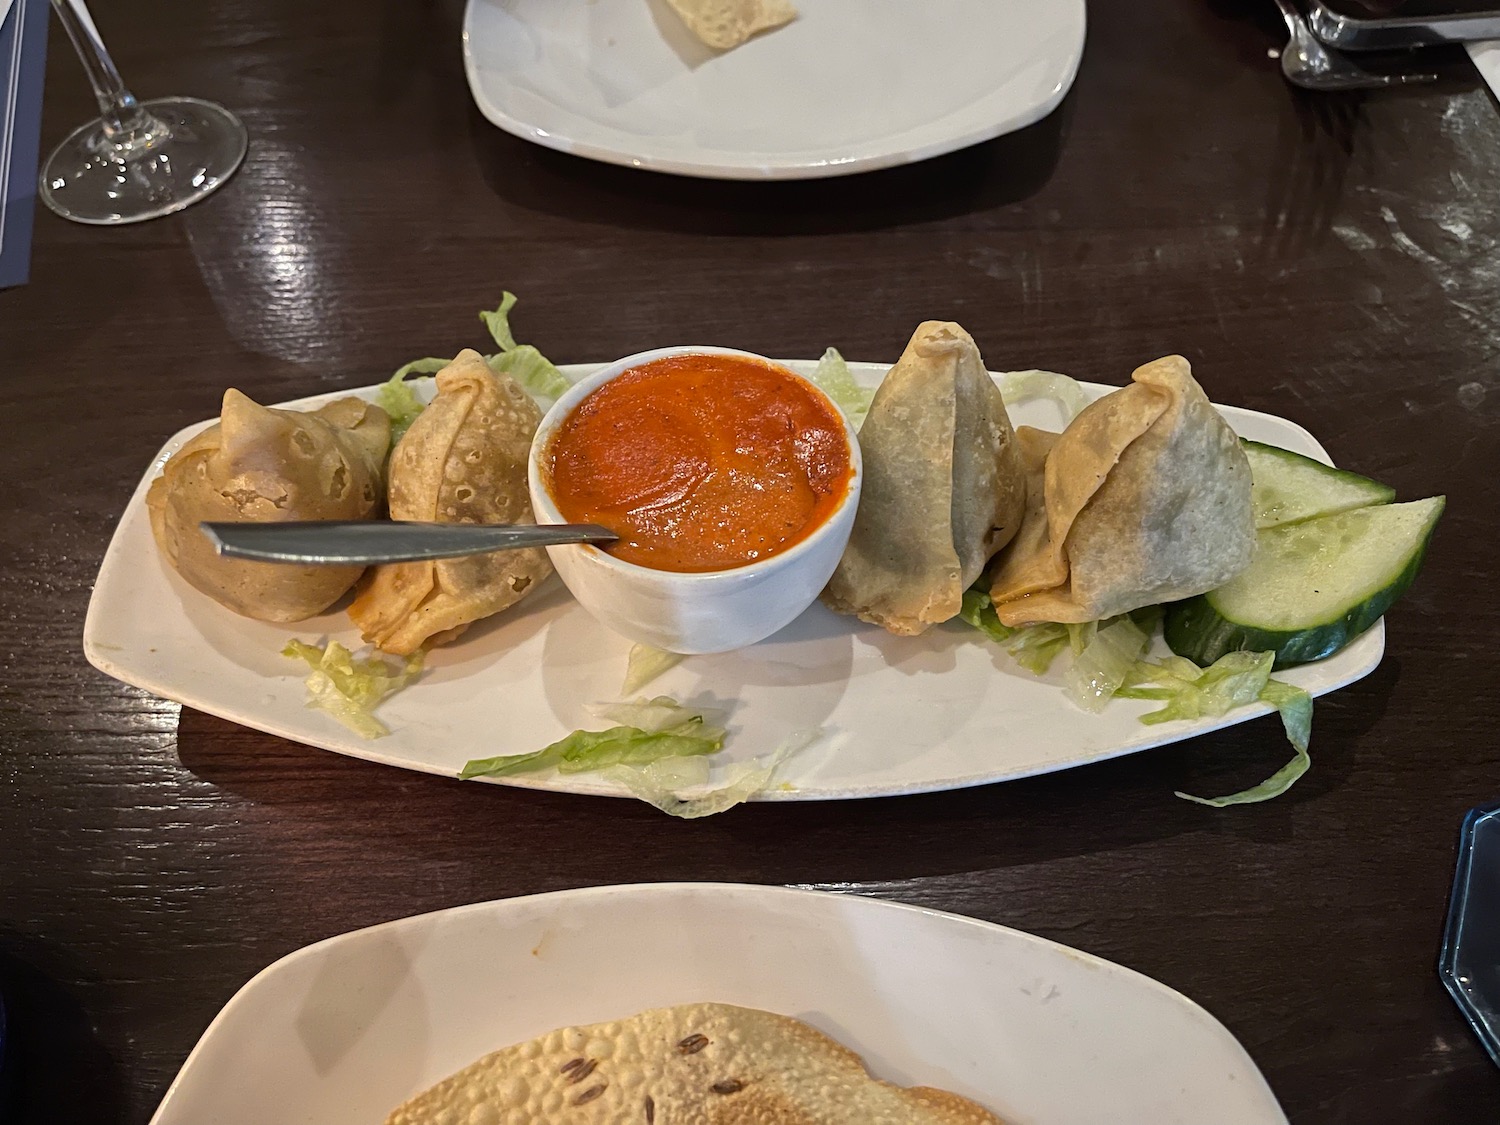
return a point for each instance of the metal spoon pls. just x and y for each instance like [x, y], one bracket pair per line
[1306, 62]
[365, 542]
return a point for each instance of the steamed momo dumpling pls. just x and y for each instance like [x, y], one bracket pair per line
[1146, 500]
[943, 487]
[462, 461]
[260, 465]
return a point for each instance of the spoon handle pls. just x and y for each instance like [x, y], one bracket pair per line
[365, 542]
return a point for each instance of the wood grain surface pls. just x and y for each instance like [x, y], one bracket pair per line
[1333, 259]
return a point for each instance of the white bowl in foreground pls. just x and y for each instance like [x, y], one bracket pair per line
[701, 611]
[341, 1032]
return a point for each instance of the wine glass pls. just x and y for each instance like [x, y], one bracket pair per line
[139, 160]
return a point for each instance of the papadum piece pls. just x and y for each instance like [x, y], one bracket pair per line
[462, 461]
[943, 486]
[723, 24]
[703, 1064]
[263, 465]
[1147, 500]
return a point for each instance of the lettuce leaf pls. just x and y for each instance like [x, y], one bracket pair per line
[1296, 708]
[1021, 386]
[658, 713]
[498, 322]
[661, 783]
[397, 398]
[1233, 680]
[662, 728]
[1033, 647]
[645, 664]
[659, 759]
[429, 366]
[1190, 692]
[833, 377]
[1108, 661]
[585, 751]
[979, 611]
[1104, 662]
[537, 374]
[349, 688]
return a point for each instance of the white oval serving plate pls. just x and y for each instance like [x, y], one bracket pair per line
[900, 715]
[849, 86]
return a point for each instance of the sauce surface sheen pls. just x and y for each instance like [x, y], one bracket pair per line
[701, 462]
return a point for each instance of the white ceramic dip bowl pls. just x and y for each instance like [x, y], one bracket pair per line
[697, 611]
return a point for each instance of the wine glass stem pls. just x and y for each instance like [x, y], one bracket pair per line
[121, 114]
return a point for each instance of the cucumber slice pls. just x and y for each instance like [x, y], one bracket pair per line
[1288, 487]
[1314, 586]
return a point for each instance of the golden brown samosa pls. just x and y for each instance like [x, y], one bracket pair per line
[462, 461]
[1146, 500]
[943, 487]
[261, 465]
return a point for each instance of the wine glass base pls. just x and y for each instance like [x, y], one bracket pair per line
[187, 151]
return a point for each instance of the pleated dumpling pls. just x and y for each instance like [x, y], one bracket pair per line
[943, 487]
[462, 461]
[1146, 500]
[261, 465]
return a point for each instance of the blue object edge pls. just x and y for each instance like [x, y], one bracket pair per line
[23, 59]
[1472, 905]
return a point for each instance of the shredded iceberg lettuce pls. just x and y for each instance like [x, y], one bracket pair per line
[649, 730]
[536, 374]
[348, 688]
[658, 713]
[979, 611]
[832, 375]
[1104, 661]
[1021, 386]
[498, 322]
[1295, 706]
[398, 398]
[645, 664]
[1235, 679]
[661, 783]
[522, 362]
[1033, 647]
[1190, 692]
[1108, 661]
[584, 751]
[429, 366]
[659, 752]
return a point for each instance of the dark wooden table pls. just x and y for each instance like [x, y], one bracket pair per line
[1333, 259]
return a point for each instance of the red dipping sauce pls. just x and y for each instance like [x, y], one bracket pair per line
[701, 462]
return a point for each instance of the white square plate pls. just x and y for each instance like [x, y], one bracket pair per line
[849, 86]
[900, 714]
[341, 1032]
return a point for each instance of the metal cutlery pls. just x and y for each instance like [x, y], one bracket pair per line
[1306, 62]
[366, 542]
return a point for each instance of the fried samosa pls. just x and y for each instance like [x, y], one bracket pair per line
[1146, 500]
[262, 465]
[462, 461]
[943, 486]
[724, 24]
